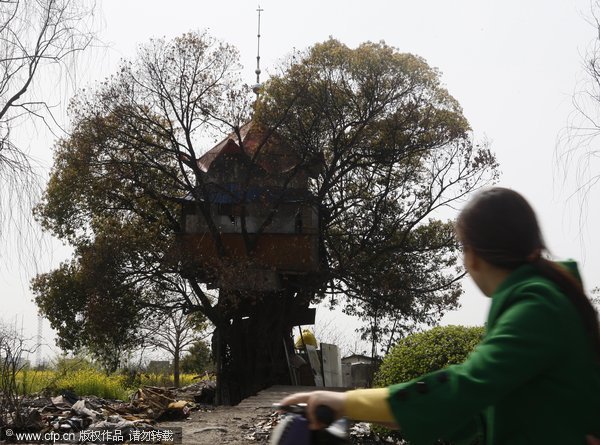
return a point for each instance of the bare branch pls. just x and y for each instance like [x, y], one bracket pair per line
[35, 37]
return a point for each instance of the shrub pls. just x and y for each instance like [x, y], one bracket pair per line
[425, 352]
[64, 365]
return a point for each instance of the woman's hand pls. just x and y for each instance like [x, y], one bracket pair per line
[334, 400]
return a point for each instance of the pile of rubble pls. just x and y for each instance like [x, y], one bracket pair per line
[202, 392]
[361, 433]
[358, 433]
[68, 413]
[261, 430]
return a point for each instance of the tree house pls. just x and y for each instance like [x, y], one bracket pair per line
[253, 216]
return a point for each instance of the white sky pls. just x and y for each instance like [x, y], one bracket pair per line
[513, 66]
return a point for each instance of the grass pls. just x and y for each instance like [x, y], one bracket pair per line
[90, 382]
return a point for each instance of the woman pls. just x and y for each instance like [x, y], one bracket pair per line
[534, 378]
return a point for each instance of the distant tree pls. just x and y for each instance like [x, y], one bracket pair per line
[13, 361]
[198, 358]
[39, 41]
[329, 331]
[174, 332]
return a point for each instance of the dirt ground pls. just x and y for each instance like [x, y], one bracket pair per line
[245, 424]
[223, 425]
[248, 423]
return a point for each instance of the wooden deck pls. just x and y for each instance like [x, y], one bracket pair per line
[267, 397]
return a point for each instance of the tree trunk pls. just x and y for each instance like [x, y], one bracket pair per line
[176, 367]
[250, 347]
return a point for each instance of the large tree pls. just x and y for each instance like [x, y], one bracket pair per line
[391, 146]
[397, 150]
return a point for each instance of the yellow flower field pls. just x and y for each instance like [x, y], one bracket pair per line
[88, 382]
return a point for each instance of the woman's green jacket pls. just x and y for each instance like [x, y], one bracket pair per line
[534, 378]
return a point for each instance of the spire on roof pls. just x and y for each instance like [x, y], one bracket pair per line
[257, 86]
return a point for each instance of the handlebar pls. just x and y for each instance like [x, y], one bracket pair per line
[324, 414]
[295, 430]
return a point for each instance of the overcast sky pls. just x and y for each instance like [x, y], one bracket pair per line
[513, 65]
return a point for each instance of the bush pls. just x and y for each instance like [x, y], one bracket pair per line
[65, 365]
[427, 351]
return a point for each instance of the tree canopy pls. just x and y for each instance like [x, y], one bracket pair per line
[396, 149]
[392, 149]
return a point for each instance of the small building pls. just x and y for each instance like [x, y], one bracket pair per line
[357, 358]
[358, 371]
[159, 367]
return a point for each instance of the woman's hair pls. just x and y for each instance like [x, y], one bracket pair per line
[500, 227]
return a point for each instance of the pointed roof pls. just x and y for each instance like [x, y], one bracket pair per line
[269, 151]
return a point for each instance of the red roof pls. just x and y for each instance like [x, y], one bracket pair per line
[268, 151]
